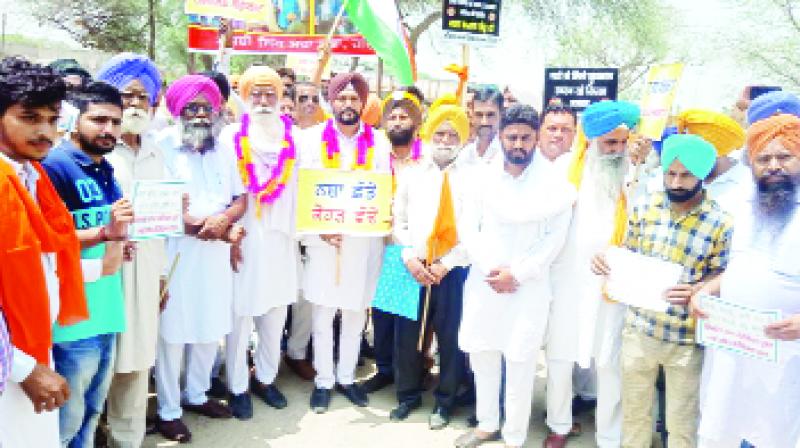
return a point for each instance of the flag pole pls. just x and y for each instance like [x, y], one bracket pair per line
[425, 305]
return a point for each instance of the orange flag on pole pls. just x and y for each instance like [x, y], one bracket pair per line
[443, 236]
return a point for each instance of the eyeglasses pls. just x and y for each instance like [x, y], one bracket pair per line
[195, 109]
[140, 96]
[307, 98]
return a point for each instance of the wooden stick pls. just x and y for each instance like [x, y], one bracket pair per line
[424, 318]
[338, 265]
[169, 275]
[336, 21]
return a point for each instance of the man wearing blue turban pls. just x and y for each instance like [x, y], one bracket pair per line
[583, 327]
[136, 157]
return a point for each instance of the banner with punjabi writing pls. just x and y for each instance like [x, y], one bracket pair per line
[356, 203]
[662, 84]
[247, 10]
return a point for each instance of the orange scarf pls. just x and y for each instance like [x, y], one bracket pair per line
[30, 229]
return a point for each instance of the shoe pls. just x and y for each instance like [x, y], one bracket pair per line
[301, 368]
[472, 421]
[582, 405]
[555, 441]
[211, 409]
[366, 350]
[404, 409]
[471, 440]
[320, 400]
[241, 406]
[440, 417]
[174, 430]
[377, 382]
[354, 393]
[218, 389]
[270, 394]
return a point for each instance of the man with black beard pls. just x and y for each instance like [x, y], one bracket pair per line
[748, 402]
[135, 157]
[402, 116]
[685, 227]
[341, 143]
[84, 352]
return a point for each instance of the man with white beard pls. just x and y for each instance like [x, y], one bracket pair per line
[583, 325]
[265, 266]
[136, 157]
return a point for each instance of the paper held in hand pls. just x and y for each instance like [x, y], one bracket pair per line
[157, 209]
[639, 280]
[737, 328]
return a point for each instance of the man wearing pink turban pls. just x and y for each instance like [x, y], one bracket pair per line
[197, 311]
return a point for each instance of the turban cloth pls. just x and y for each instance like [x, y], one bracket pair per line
[773, 103]
[669, 130]
[342, 80]
[603, 117]
[123, 68]
[405, 100]
[372, 110]
[185, 89]
[784, 127]
[444, 109]
[696, 154]
[259, 75]
[718, 129]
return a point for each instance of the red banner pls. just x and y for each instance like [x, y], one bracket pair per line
[203, 38]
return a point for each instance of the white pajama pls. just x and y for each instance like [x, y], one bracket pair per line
[559, 396]
[520, 377]
[299, 330]
[199, 362]
[268, 351]
[349, 345]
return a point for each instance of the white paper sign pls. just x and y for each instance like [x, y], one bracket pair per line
[737, 328]
[157, 209]
[639, 280]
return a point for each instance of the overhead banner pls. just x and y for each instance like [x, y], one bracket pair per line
[578, 87]
[284, 27]
[662, 84]
[355, 203]
[248, 10]
[471, 22]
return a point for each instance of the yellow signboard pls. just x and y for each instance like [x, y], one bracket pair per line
[356, 203]
[662, 83]
[247, 10]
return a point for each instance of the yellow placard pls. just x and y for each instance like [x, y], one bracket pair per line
[356, 203]
[662, 84]
[247, 10]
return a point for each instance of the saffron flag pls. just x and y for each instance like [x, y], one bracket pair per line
[379, 22]
[444, 236]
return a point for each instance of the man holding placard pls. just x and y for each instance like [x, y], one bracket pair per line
[136, 157]
[342, 270]
[197, 313]
[430, 194]
[265, 266]
[748, 400]
[682, 226]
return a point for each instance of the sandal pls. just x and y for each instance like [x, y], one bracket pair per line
[174, 430]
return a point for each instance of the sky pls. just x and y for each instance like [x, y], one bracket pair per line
[518, 60]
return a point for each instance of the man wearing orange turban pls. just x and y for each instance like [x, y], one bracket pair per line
[747, 401]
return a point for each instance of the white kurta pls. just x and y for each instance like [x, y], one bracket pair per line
[744, 398]
[360, 259]
[268, 276]
[20, 425]
[493, 154]
[136, 346]
[520, 223]
[201, 290]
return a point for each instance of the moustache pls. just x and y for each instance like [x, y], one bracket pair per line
[263, 110]
[41, 141]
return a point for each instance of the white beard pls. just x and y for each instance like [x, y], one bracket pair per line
[605, 176]
[266, 129]
[135, 121]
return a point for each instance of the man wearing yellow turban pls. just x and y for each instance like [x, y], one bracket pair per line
[422, 191]
[746, 401]
[265, 264]
[583, 326]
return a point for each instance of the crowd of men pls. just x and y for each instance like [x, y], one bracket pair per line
[534, 199]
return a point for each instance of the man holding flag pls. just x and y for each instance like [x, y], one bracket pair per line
[425, 223]
[507, 294]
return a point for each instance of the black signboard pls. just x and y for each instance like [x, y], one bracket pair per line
[579, 87]
[471, 21]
